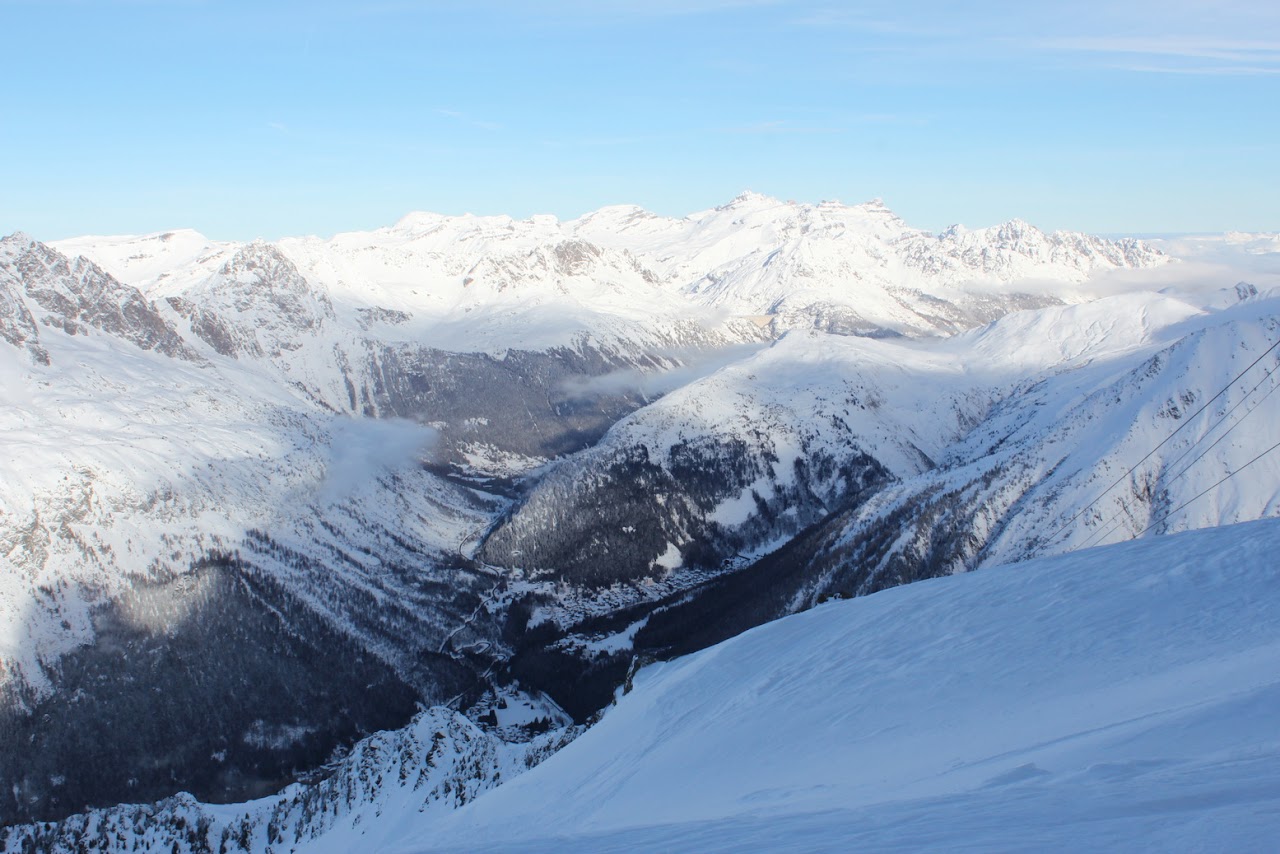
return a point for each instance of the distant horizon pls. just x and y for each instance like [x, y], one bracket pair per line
[287, 235]
[241, 119]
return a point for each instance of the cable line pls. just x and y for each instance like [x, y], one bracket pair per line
[1221, 419]
[1106, 529]
[1206, 491]
[1178, 429]
[1224, 435]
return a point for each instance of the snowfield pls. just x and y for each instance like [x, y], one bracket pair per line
[1122, 698]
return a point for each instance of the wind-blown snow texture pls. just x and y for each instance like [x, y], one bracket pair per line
[1110, 699]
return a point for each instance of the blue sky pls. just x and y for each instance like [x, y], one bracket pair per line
[246, 119]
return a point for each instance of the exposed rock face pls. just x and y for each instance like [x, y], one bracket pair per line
[17, 326]
[1010, 249]
[75, 294]
[257, 304]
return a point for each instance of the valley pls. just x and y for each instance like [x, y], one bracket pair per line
[274, 498]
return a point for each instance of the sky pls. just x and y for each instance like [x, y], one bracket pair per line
[267, 119]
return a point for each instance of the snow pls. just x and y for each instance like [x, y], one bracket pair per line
[155, 263]
[440, 761]
[622, 274]
[516, 708]
[911, 719]
[115, 461]
[1110, 699]
[738, 509]
[117, 450]
[670, 557]
[618, 641]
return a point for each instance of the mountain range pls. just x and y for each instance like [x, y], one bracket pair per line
[275, 497]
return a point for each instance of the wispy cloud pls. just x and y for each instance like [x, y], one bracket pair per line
[778, 127]
[1219, 70]
[651, 8]
[1181, 54]
[467, 120]
[861, 21]
[839, 123]
[689, 366]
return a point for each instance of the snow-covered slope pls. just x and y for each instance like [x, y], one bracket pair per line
[1110, 699]
[143, 475]
[440, 761]
[740, 461]
[121, 463]
[1143, 442]
[1093, 424]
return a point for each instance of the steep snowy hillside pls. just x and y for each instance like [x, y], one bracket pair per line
[214, 536]
[74, 296]
[1111, 699]
[1088, 440]
[1121, 447]
[740, 461]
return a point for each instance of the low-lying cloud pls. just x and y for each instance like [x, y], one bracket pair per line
[361, 447]
[1202, 263]
[690, 365]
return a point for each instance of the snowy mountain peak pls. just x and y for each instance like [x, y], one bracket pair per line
[618, 220]
[263, 264]
[749, 201]
[585, 372]
[1016, 228]
[17, 242]
[17, 325]
[418, 222]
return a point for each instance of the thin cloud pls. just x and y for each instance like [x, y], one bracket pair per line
[1224, 70]
[779, 128]
[848, 19]
[691, 365]
[671, 8]
[469, 121]
[1182, 54]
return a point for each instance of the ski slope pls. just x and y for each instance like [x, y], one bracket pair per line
[1119, 698]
